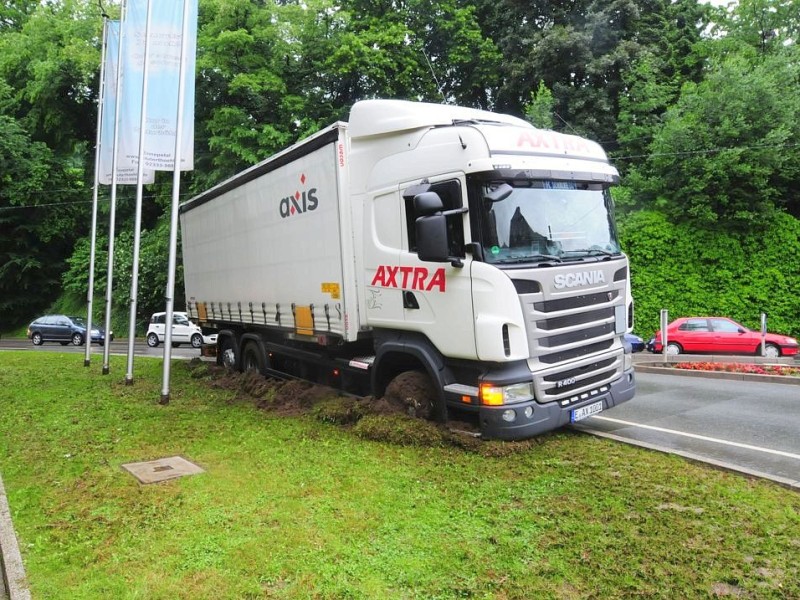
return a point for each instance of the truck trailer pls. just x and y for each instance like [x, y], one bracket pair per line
[461, 247]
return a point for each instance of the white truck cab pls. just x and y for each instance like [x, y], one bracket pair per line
[465, 245]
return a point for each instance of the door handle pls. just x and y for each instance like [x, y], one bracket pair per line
[410, 300]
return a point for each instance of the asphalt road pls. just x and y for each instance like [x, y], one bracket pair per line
[750, 427]
[120, 347]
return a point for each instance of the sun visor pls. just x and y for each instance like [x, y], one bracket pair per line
[531, 166]
[541, 142]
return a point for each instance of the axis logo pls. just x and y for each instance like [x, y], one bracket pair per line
[299, 202]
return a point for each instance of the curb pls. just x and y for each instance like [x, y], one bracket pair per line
[665, 370]
[13, 573]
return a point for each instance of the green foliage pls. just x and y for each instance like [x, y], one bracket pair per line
[540, 109]
[51, 61]
[727, 150]
[36, 235]
[698, 106]
[693, 271]
[152, 279]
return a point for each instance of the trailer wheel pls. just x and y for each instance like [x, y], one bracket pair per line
[415, 390]
[227, 353]
[253, 358]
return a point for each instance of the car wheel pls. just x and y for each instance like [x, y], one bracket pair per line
[37, 339]
[77, 339]
[152, 340]
[772, 351]
[674, 349]
[197, 340]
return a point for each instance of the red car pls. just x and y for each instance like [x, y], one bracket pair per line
[718, 335]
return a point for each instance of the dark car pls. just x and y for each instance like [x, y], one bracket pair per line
[720, 335]
[637, 343]
[65, 330]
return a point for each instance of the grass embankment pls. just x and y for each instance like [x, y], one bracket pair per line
[292, 507]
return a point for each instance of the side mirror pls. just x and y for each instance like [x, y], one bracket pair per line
[432, 243]
[427, 203]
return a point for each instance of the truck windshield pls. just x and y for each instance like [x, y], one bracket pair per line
[541, 221]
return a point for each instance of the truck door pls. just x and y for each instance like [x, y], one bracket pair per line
[437, 297]
[383, 299]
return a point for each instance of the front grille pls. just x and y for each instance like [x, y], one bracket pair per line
[575, 352]
[574, 340]
[573, 382]
[582, 383]
[578, 335]
[600, 364]
[572, 320]
[574, 302]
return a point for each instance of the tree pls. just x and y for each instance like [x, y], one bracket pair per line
[540, 109]
[583, 51]
[727, 150]
[36, 233]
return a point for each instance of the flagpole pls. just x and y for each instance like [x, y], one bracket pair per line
[100, 103]
[139, 191]
[113, 211]
[176, 188]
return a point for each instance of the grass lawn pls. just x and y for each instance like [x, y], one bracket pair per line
[293, 507]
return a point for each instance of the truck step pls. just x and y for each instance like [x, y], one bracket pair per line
[362, 362]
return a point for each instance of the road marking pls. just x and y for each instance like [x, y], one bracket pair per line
[700, 437]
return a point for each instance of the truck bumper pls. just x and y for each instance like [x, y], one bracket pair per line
[545, 417]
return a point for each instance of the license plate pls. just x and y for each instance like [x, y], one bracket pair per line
[586, 411]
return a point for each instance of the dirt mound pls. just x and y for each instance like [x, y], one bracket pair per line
[399, 417]
[413, 390]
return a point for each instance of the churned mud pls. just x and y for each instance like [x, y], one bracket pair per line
[402, 416]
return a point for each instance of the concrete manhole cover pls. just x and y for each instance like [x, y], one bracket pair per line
[162, 469]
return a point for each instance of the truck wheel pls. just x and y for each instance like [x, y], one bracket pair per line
[226, 357]
[415, 390]
[253, 359]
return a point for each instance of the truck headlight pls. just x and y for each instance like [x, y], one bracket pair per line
[493, 395]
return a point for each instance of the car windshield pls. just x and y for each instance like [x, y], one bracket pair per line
[548, 221]
[78, 321]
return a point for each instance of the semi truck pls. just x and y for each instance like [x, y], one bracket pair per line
[461, 249]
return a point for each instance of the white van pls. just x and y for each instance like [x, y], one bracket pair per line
[183, 331]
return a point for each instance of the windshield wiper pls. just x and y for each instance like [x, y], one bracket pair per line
[528, 258]
[590, 252]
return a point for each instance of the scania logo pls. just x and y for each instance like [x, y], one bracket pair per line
[299, 202]
[570, 280]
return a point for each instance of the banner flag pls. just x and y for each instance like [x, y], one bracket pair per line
[166, 34]
[126, 167]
